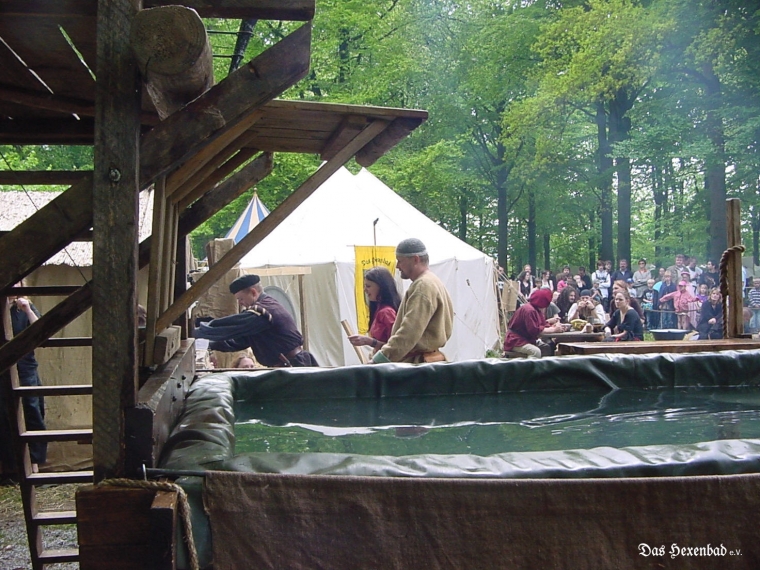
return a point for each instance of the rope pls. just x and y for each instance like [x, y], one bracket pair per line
[184, 507]
[723, 268]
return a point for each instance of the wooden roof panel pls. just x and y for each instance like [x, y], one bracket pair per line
[43, 48]
[47, 90]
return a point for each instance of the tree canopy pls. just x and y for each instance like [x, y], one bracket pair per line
[559, 131]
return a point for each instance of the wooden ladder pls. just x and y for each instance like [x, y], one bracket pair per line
[13, 393]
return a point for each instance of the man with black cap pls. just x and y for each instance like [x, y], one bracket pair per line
[587, 309]
[425, 318]
[264, 325]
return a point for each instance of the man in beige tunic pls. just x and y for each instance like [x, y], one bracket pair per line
[426, 315]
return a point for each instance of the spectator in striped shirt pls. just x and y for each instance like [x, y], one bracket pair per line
[753, 296]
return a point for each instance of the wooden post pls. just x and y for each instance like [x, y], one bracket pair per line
[115, 238]
[302, 307]
[734, 270]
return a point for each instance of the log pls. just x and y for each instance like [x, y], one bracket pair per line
[225, 105]
[174, 56]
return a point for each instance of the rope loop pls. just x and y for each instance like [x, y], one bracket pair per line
[184, 507]
[723, 268]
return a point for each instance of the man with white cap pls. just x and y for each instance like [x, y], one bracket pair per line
[264, 325]
[425, 318]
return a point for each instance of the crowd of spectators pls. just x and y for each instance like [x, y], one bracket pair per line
[683, 295]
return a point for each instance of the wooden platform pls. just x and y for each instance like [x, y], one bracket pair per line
[651, 347]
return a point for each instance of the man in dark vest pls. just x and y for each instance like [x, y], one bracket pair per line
[264, 325]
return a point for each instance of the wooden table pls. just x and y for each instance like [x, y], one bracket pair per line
[574, 336]
[648, 347]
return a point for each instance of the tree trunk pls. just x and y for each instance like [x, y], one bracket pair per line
[462, 217]
[547, 251]
[619, 129]
[532, 230]
[715, 162]
[592, 245]
[660, 196]
[604, 180]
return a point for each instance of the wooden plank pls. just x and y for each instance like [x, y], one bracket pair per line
[349, 127]
[78, 435]
[33, 98]
[376, 148]
[223, 106]
[653, 347]
[298, 10]
[735, 322]
[57, 390]
[31, 243]
[289, 109]
[22, 130]
[216, 199]
[59, 555]
[57, 65]
[42, 177]
[162, 550]
[67, 342]
[173, 54]
[155, 270]
[109, 515]
[45, 327]
[159, 404]
[115, 225]
[214, 178]
[61, 478]
[167, 293]
[46, 291]
[210, 157]
[166, 344]
[264, 228]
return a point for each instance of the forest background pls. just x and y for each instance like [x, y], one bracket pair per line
[560, 132]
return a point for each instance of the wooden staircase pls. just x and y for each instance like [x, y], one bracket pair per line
[13, 393]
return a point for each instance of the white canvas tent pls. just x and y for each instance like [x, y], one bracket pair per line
[321, 234]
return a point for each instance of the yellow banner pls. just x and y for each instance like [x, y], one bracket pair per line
[367, 257]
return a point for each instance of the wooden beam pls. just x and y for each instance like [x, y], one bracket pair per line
[31, 243]
[42, 177]
[265, 227]
[46, 326]
[115, 225]
[735, 320]
[211, 156]
[155, 270]
[223, 106]
[376, 148]
[46, 131]
[46, 100]
[213, 178]
[349, 127]
[61, 104]
[215, 200]
[173, 54]
[300, 10]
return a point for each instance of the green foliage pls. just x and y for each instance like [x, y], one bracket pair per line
[513, 90]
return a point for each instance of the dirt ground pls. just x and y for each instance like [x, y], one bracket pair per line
[14, 547]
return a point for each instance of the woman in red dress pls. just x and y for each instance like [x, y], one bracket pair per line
[384, 299]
